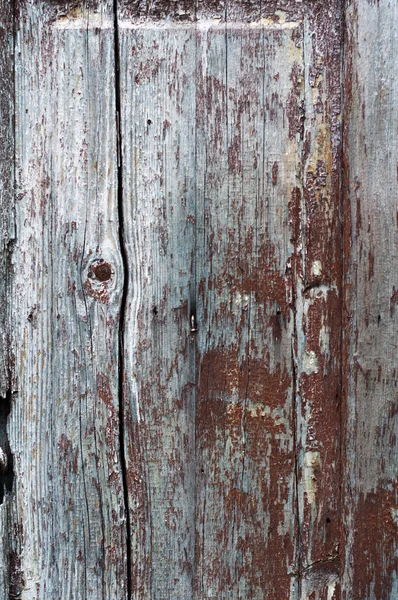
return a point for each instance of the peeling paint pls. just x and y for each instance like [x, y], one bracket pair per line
[310, 363]
[311, 467]
[83, 20]
[316, 269]
[207, 25]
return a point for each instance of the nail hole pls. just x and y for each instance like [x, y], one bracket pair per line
[155, 310]
[149, 122]
[327, 520]
[31, 314]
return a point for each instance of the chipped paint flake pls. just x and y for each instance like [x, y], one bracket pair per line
[311, 464]
[83, 20]
[310, 363]
[324, 340]
[211, 24]
[316, 269]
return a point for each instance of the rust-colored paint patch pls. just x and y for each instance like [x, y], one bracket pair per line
[275, 173]
[104, 390]
[242, 403]
[375, 542]
[223, 376]
[393, 300]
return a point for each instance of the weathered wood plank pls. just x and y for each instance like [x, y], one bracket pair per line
[7, 237]
[247, 158]
[260, 105]
[68, 280]
[230, 137]
[154, 175]
[158, 147]
[318, 266]
[7, 225]
[371, 152]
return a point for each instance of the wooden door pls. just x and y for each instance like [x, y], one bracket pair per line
[199, 288]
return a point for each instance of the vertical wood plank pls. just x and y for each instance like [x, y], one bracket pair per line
[371, 154]
[64, 428]
[263, 187]
[177, 170]
[7, 225]
[247, 158]
[158, 147]
[7, 238]
[318, 272]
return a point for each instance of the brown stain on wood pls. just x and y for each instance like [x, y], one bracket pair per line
[369, 307]
[375, 537]
[224, 376]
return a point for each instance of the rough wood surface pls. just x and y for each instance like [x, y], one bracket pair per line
[248, 153]
[158, 148]
[64, 426]
[230, 137]
[7, 237]
[7, 225]
[371, 149]
[318, 265]
[181, 413]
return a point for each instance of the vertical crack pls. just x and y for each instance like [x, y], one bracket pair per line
[123, 252]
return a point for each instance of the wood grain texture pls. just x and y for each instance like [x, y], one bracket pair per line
[247, 159]
[206, 263]
[318, 271]
[231, 137]
[371, 147]
[210, 421]
[158, 145]
[7, 224]
[7, 238]
[64, 427]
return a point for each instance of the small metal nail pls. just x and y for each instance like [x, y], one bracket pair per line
[193, 324]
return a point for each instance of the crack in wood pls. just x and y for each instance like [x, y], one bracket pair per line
[122, 317]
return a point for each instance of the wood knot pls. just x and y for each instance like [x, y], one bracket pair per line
[101, 271]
